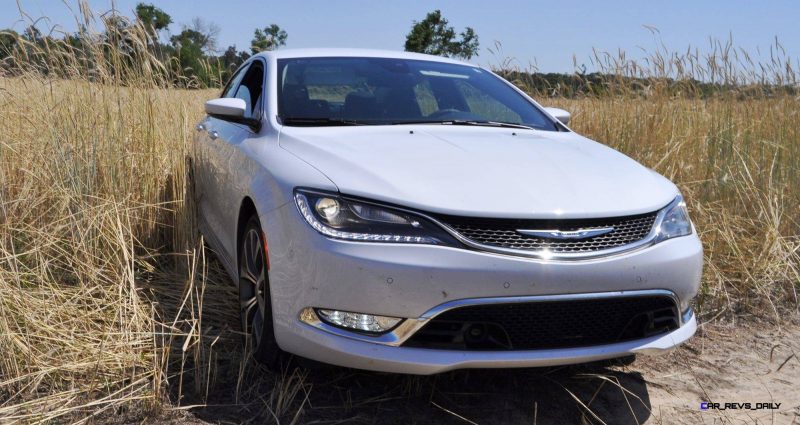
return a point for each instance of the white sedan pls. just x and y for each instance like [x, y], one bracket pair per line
[415, 214]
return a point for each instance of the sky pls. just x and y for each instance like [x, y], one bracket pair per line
[541, 34]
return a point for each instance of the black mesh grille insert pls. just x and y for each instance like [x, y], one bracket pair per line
[503, 232]
[548, 324]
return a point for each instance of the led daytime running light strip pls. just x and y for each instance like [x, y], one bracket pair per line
[305, 210]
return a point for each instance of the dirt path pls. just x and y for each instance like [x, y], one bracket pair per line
[723, 364]
[727, 364]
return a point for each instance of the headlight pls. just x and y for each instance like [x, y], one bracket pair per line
[675, 221]
[341, 218]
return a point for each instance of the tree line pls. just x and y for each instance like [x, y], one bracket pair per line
[142, 47]
[190, 58]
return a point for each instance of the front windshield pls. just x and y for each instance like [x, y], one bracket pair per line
[380, 91]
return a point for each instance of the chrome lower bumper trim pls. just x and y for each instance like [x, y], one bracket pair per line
[687, 315]
[410, 326]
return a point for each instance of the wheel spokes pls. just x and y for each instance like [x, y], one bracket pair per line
[255, 254]
[247, 306]
[252, 284]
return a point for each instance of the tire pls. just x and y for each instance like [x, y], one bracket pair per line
[255, 306]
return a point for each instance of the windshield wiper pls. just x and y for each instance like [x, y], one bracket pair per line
[502, 124]
[313, 122]
[467, 122]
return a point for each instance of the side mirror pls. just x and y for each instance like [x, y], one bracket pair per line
[231, 109]
[559, 114]
[226, 107]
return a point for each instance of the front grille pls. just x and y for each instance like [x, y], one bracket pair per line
[548, 324]
[502, 233]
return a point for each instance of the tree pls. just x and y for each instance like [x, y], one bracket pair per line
[209, 32]
[8, 42]
[231, 58]
[118, 34]
[434, 36]
[270, 38]
[153, 19]
[188, 47]
[33, 35]
[229, 61]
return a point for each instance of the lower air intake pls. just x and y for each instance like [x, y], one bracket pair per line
[548, 324]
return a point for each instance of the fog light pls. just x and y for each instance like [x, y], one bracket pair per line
[358, 321]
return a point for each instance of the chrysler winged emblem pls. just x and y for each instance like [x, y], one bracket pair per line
[567, 234]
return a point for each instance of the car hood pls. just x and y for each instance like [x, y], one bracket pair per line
[481, 171]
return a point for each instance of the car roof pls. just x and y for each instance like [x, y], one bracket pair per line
[367, 53]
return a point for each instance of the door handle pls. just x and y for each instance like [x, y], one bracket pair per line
[200, 127]
[213, 134]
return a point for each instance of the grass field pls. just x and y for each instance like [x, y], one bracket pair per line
[110, 305]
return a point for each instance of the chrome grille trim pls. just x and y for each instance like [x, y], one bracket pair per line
[648, 240]
[514, 234]
[548, 254]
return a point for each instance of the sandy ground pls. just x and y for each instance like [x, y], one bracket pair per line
[743, 362]
[722, 364]
[727, 364]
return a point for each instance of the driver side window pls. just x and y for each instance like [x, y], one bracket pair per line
[233, 84]
[251, 89]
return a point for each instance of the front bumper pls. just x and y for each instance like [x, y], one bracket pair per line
[310, 270]
[319, 345]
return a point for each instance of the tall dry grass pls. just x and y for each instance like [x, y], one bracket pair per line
[108, 301]
[103, 278]
[724, 124]
[738, 164]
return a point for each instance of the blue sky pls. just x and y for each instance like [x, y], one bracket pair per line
[547, 33]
